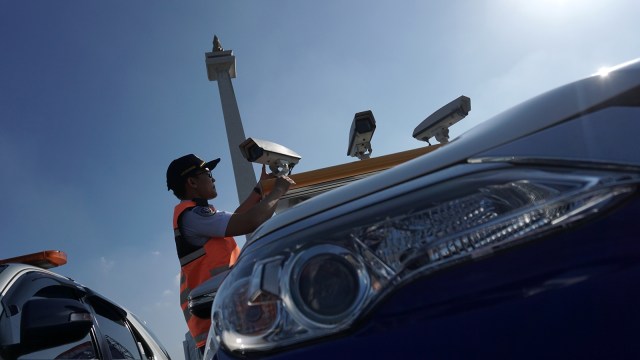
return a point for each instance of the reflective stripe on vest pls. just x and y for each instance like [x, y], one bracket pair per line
[192, 256]
[198, 265]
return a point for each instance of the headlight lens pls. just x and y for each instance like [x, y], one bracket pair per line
[325, 288]
[319, 280]
[325, 284]
[254, 319]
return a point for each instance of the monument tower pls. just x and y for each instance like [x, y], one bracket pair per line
[221, 67]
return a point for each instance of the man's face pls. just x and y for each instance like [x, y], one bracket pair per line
[206, 187]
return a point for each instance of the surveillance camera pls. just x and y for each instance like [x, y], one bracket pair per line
[362, 128]
[437, 124]
[280, 159]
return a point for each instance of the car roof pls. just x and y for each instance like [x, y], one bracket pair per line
[12, 270]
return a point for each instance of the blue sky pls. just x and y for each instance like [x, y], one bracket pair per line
[97, 97]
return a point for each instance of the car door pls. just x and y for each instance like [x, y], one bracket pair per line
[43, 317]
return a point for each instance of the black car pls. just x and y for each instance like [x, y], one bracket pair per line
[517, 239]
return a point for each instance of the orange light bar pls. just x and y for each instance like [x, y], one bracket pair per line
[45, 259]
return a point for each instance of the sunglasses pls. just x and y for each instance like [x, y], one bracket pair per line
[208, 172]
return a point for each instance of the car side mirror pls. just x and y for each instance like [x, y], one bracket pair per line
[201, 298]
[53, 322]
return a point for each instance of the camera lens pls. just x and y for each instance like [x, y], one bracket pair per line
[255, 152]
[363, 126]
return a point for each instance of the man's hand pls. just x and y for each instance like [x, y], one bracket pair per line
[264, 175]
[248, 220]
[283, 183]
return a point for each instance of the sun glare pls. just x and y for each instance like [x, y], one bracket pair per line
[559, 10]
[604, 71]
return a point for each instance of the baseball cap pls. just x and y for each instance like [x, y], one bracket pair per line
[182, 167]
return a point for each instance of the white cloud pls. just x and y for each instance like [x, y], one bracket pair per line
[163, 305]
[106, 265]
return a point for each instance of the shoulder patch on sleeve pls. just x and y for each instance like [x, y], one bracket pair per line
[203, 211]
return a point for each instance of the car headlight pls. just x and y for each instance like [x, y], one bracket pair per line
[319, 279]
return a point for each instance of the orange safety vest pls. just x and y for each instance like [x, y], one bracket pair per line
[197, 264]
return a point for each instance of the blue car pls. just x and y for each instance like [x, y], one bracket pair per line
[517, 239]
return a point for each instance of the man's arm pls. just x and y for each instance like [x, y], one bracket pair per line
[254, 197]
[242, 223]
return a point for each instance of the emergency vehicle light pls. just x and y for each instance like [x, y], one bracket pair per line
[46, 259]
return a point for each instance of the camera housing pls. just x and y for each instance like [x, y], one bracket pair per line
[362, 129]
[280, 159]
[437, 124]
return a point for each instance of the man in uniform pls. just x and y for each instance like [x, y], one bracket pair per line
[204, 235]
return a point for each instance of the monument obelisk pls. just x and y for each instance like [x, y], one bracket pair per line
[221, 67]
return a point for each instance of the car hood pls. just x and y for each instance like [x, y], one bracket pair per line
[496, 134]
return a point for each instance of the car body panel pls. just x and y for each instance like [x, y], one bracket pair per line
[598, 137]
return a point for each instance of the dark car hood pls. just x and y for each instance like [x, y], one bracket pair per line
[533, 116]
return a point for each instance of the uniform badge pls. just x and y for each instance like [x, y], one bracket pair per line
[204, 211]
